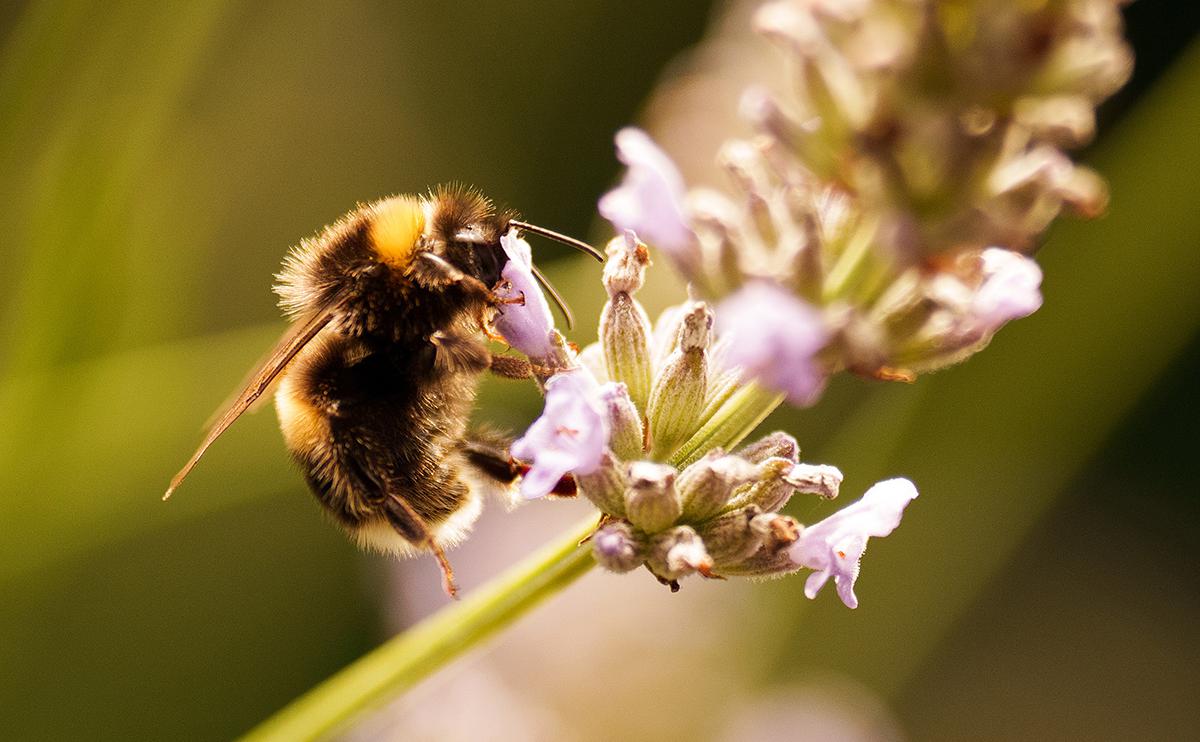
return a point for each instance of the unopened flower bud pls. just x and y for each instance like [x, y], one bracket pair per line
[605, 486]
[651, 502]
[1066, 120]
[815, 479]
[761, 563]
[624, 326]
[1085, 192]
[776, 445]
[677, 398]
[677, 553]
[772, 491]
[616, 548]
[625, 269]
[626, 438]
[707, 485]
[730, 538]
[778, 532]
[696, 331]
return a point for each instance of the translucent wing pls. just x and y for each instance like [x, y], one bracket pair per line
[292, 342]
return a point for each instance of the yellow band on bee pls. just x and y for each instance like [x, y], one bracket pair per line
[397, 225]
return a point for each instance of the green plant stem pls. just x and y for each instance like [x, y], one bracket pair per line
[406, 659]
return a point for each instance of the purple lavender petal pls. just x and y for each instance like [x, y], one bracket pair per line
[526, 326]
[570, 436]
[834, 546]
[650, 198]
[774, 337]
[1010, 289]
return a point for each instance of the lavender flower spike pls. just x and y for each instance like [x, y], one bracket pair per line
[570, 436]
[834, 546]
[650, 198]
[775, 337]
[526, 326]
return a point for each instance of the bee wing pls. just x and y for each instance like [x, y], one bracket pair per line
[297, 336]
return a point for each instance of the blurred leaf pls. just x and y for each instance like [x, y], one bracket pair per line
[73, 169]
[106, 434]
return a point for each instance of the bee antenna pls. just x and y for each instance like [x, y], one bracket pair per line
[579, 245]
[555, 296]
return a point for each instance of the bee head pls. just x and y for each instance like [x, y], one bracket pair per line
[465, 231]
[457, 225]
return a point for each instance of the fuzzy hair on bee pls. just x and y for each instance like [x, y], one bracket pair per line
[391, 310]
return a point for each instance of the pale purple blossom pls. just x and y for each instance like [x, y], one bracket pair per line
[834, 546]
[650, 200]
[527, 325]
[1009, 290]
[570, 436]
[775, 337]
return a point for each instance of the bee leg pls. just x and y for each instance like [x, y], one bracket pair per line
[453, 352]
[495, 463]
[412, 526]
[509, 367]
[433, 271]
[492, 461]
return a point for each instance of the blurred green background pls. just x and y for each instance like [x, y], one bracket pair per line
[156, 160]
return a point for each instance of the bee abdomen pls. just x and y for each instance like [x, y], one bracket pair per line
[377, 434]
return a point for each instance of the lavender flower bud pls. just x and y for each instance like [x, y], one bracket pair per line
[605, 486]
[776, 533]
[762, 563]
[677, 398]
[626, 438]
[624, 326]
[772, 490]
[625, 269]
[651, 502]
[616, 548]
[677, 553]
[776, 445]
[707, 485]
[820, 480]
[1067, 120]
[730, 538]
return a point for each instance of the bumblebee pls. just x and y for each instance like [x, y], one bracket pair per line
[375, 379]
